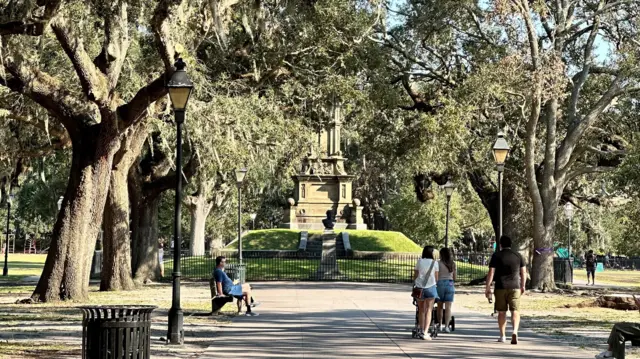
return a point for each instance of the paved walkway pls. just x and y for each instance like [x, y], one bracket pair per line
[346, 320]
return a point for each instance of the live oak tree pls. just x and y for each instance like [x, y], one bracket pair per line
[559, 67]
[536, 69]
[92, 105]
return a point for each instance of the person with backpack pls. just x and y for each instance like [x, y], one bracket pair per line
[591, 267]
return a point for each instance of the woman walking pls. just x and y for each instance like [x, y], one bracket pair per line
[425, 278]
[446, 289]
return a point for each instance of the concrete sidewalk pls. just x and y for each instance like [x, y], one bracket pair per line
[339, 320]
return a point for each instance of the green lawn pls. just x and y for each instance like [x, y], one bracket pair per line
[382, 241]
[619, 278]
[258, 269]
[23, 265]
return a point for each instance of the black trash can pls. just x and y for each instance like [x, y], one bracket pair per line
[116, 332]
[236, 272]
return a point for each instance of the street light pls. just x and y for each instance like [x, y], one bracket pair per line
[500, 152]
[568, 212]
[449, 187]
[253, 220]
[5, 270]
[179, 87]
[240, 174]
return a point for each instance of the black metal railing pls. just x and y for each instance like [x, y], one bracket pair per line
[309, 266]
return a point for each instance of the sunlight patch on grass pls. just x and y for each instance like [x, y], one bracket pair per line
[382, 241]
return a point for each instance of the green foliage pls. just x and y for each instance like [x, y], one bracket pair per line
[425, 222]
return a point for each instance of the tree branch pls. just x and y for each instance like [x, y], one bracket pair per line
[94, 83]
[587, 170]
[32, 26]
[136, 109]
[576, 130]
[161, 25]
[116, 43]
[48, 92]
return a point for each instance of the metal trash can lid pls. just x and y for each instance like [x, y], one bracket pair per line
[108, 312]
[117, 307]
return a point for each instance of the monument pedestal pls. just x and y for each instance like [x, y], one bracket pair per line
[323, 185]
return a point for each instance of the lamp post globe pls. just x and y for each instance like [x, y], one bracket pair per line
[500, 152]
[449, 187]
[241, 173]
[179, 88]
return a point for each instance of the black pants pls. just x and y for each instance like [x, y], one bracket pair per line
[620, 333]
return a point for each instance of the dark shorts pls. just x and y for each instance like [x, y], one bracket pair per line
[507, 300]
[591, 270]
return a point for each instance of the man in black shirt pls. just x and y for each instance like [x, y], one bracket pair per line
[508, 269]
[591, 267]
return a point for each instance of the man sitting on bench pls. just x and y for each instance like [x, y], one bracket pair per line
[225, 286]
[621, 333]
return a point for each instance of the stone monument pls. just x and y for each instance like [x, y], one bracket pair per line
[323, 185]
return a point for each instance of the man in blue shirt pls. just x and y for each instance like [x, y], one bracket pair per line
[225, 286]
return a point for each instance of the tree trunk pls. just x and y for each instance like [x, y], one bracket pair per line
[67, 267]
[514, 208]
[200, 209]
[146, 261]
[116, 267]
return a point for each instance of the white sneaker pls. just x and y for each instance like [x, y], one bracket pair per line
[605, 355]
[447, 330]
[502, 339]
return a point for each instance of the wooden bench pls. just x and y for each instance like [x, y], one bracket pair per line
[217, 302]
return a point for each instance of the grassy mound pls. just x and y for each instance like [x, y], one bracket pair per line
[269, 239]
[382, 241]
[362, 240]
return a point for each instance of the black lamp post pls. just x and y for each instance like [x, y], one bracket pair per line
[500, 152]
[5, 270]
[240, 174]
[449, 187]
[179, 88]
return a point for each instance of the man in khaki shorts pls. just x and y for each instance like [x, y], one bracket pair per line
[510, 273]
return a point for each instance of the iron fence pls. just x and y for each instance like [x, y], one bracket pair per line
[308, 266]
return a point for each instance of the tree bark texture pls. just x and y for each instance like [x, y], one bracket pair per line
[144, 232]
[148, 179]
[116, 267]
[67, 267]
